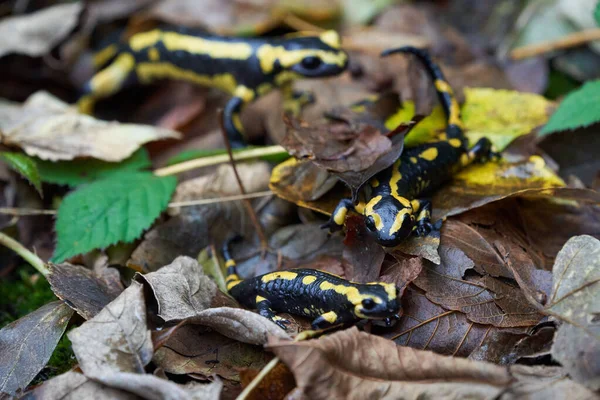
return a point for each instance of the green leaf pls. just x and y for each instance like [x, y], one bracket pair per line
[579, 109]
[76, 172]
[110, 210]
[597, 13]
[25, 166]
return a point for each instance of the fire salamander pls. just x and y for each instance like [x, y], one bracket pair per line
[329, 299]
[396, 207]
[246, 68]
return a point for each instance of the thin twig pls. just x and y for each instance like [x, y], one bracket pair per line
[566, 42]
[247, 203]
[218, 159]
[27, 255]
[200, 202]
[257, 379]
[23, 212]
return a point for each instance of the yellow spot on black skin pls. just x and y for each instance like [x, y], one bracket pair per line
[153, 54]
[268, 55]
[230, 263]
[370, 212]
[413, 160]
[285, 275]
[330, 317]
[455, 142]
[454, 117]
[340, 216]
[307, 280]
[352, 294]
[374, 182]
[430, 154]
[259, 299]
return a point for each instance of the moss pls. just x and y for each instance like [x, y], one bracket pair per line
[26, 292]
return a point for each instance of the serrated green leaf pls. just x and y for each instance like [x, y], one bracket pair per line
[579, 109]
[597, 13]
[76, 172]
[25, 166]
[111, 210]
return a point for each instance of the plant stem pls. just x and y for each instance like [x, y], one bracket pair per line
[257, 379]
[27, 255]
[218, 159]
[566, 42]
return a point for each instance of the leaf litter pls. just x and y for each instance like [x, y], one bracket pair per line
[493, 286]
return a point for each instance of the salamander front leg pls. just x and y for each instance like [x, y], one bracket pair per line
[422, 209]
[233, 123]
[337, 219]
[326, 320]
[264, 308]
[107, 82]
[295, 100]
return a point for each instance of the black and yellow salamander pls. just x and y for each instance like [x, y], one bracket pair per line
[329, 299]
[397, 206]
[246, 68]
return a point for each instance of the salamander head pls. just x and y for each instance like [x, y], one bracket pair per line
[314, 56]
[377, 300]
[389, 219]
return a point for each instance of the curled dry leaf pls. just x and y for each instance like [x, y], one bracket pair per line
[181, 289]
[356, 365]
[83, 291]
[37, 33]
[27, 344]
[122, 386]
[575, 300]
[73, 386]
[50, 129]
[484, 300]
[241, 325]
[117, 339]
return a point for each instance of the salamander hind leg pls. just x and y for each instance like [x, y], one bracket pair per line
[295, 100]
[482, 151]
[264, 308]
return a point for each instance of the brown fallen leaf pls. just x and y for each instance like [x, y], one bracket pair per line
[27, 344]
[541, 382]
[195, 349]
[181, 289]
[73, 386]
[50, 129]
[356, 365]
[37, 33]
[484, 300]
[575, 301]
[361, 252]
[83, 291]
[275, 385]
[121, 386]
[242, 325]
[117, 339]
[148, 386]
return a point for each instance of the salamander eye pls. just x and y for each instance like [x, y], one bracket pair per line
[368, 304]
[311, 62]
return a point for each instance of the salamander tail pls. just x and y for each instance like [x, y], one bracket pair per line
[444, 90]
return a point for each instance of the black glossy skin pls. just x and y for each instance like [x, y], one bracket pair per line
[241, 72]
[397, 206]
[295, 295]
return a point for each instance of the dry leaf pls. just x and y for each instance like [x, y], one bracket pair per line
[575, 300]
[83, 291]
[74, 386]
[117, 339]
[194, 349]
[27, 344]
[484, 300]
[543, 383]
[181, 289]
[50, 129]
[37, 33]
[274, 386]
[356, 365]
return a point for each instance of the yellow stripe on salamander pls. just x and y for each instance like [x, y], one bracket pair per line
[454, 117]
[286, 275]
[268, 55]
